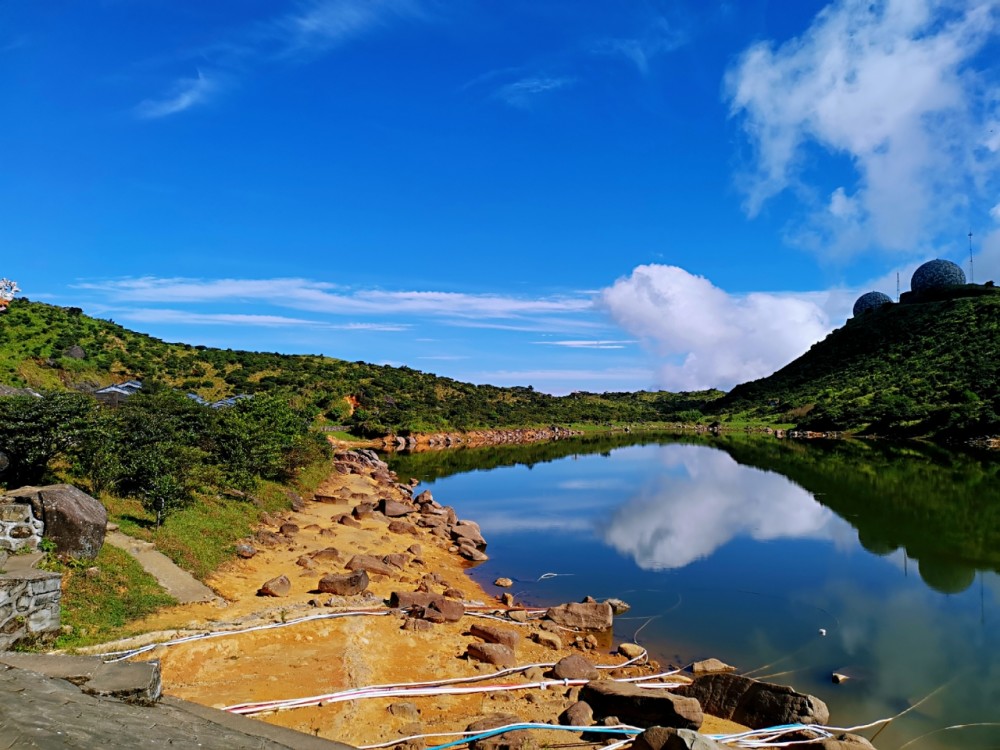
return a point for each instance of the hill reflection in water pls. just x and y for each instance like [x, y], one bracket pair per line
[746, 548]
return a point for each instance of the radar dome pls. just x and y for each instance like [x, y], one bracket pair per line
[870, 301]
[936, 274]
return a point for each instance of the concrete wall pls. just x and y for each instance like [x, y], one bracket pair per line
[29, 605]
[19, 529]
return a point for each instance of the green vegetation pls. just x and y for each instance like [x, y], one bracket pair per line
[903, 370]
[371, 400]
[101, 598]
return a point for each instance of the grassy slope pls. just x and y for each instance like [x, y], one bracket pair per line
[910, 369]
[35, 336]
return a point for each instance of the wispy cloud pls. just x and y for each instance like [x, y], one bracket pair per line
[897, 89]
[523, 92]
[184, 94]
[319, 25]
[593, 344]
[322, 297]
[658, 38]
[184, 317]
[312, 28]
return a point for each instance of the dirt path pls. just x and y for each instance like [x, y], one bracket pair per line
[180, 584]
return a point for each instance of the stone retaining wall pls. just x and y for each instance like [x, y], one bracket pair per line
[29, 605]
[19, 529]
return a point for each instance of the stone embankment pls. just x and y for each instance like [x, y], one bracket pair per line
[439, 440]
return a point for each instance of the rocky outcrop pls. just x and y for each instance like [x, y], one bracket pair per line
[754, 704]
[641, 707]
[71, 518]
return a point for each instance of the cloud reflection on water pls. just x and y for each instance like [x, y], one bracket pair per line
[708, 501]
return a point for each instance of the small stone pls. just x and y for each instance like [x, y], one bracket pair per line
[403, 527]
[839, 677]
[491, 653]
[305, 562]
[418, 625]
[518, 615]
[631, 650]
[505, 583]
[580, 714]
[507, 599]
[547, 639]
[328, 554]
[245, 551]
[493, 634]
[346, 520]
[415, 550]
[618, 606]
[708, 666]
[288, 529]
[279, 586]
[453, 593]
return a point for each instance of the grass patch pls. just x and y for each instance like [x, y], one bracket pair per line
[203, 536]
[100, 605]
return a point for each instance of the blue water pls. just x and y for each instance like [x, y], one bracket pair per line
[720, 558]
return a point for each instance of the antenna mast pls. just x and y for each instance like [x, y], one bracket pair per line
[972, 275]
[897, 286]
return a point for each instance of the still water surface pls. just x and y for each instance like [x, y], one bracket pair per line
[750, 549]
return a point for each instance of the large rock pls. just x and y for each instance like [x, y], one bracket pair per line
[279, 586]
[73, 519]
[394, 509]
[582, 615]
[370, 563]
[574, 667]
[491, 653]
[641, 707]
[493, 634]
[754, 704]
[667, 738]
[343, 584]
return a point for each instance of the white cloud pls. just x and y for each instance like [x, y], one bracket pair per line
[714, 501]
[523, 92]
[186, 93]
[658, 38]
[995, 213]
[889, 86]
[593, 344]
[184, 317]
[316, 296]
[715, 339]
[321, 24]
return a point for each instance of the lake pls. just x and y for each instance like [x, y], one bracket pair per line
[791, 560]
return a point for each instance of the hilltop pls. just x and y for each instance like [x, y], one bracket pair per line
[58, 348]
[924, 368]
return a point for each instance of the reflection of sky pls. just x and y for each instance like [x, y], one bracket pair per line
[773, 566]
[709, 500]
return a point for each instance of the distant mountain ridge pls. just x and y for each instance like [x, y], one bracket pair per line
[48, 347]
[926, 368]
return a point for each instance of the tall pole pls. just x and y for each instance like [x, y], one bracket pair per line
[897, 286]
[972, 275]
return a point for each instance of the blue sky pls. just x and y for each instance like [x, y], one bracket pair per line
[571, 195]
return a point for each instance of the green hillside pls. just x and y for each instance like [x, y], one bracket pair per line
[931, 367]
[37, 342]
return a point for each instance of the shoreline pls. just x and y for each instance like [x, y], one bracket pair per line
[324, 656]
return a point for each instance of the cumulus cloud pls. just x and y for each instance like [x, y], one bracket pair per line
[712, 501]
[711, 338]
[892, 87]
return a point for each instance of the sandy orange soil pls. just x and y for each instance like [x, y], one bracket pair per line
[330, 655]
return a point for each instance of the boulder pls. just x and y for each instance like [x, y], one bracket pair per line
[547, 639]
[327, 554]
[754, 704]
[370, 563]
[493, 634]
[394, 509]
[580, 714]
[288, 529]
[397, 560]
[582, 615]
[347, 584]
[73, 520]
[667, 738]
[245, 551]
[618, 606]
[505, 583]
[491, 653]
[574, 668]
[410, 599]
[444, 610]
[642, 707]
[279, 586]
[402, 527]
